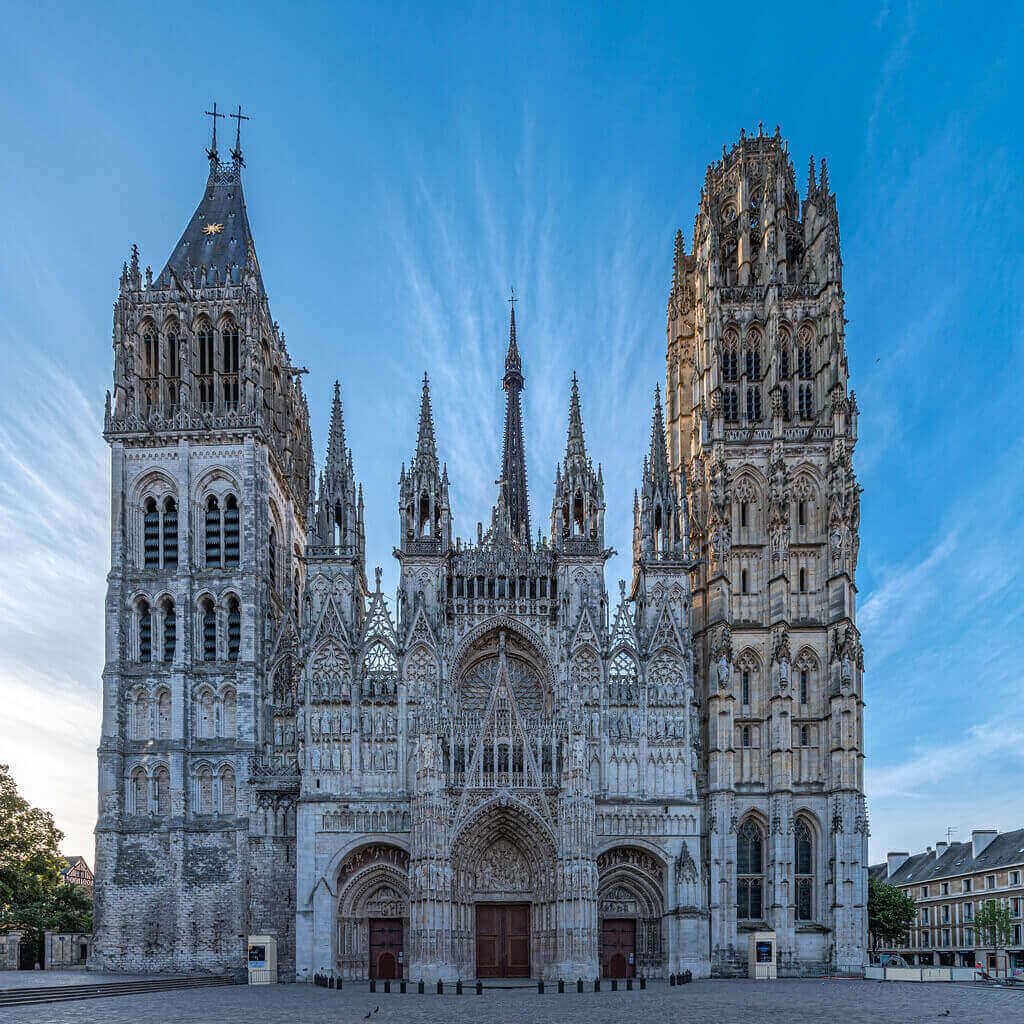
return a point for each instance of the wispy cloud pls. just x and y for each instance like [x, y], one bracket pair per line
[54, 545]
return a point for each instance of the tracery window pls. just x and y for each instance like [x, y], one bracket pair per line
[729, 363]
[622, 678]
[229, 377]
[786, 409]
[804, 685]
[173, 366]
[749, 871]
[803, 860]
[753, 355]
[150, 367]
[272, 558]
[804, 360]
[753, 403]
[730, 405]
[806, 401]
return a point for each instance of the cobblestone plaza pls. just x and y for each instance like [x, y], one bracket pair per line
[792, 1001]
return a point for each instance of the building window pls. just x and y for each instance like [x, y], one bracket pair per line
[990, 881]
[749, 871]
[745, 687]
[730, 405]
[806, 401]
[213, 539]
[234, 628]
[231, 545]
[1014, 878]
[745, 736]
[802, 579]
[744, 582]
[968, 911]
[805, 735]
[227, 790]
[804, 685]
[744, 513]
[204, 790]
[803, 858]
[151, 535]
[804, 362]
[162, 791]
[145, 613]
[137, 796]
[729, 363]
[209, 627]
[784, 359]
[163, 715]
[786, 410]
[754, 363]
[968, 885]
[204, 346]
[753, 403]
[945, 889]
[272, 558]
[229, 379]
[170, 639]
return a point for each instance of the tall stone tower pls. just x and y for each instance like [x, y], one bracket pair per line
[210, 470]
[761, 431]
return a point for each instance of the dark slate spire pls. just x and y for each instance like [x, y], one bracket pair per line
[426, 448]
[339, 522]
[514, 499]
[217, 246]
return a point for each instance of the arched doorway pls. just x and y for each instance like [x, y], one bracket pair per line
[630, 906]
[503, 872]
[373, 912]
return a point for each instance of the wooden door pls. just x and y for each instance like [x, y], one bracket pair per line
[503, 940]
[618, 948]
[385, 947]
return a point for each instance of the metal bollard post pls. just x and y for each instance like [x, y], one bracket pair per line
[479, 987]
[373, 984]
[340, 984]
[540, 987]
[597, 984]
[672, 980]
[615, 984]
[579, 984]
[643, 982]
[440, 987]
[561, 987]
[458, 987]
[419, 988]
[387, 986]
[629, 984]
[401, 986]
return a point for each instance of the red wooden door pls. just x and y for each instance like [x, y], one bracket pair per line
[503, 940]
[385, 947]
[618, 948]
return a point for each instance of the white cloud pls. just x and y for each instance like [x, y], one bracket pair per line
[54, 510]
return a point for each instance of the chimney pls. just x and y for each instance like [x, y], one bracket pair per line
[980, 838]
[895, 861]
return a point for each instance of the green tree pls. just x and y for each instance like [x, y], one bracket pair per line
[34, 897]
[993, 925]
[891, 913]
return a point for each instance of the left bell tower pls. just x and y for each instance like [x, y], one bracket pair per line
[211, 462]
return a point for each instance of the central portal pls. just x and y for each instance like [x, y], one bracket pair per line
[503, 940]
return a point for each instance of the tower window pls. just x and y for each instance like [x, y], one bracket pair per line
[786, 411]
[805, 735]
[804, 362]
[804, 685]
[744, 513]
[806, 400]
[754, 363]
[745, 736]
[213, 545]
[170, 533]
[204, 346]
[729, 363]
[231, 530]
[745, 691]
[170, 629]
[753, 403]
[151, 535]
[803, 581]
[209, 626]
[801, 513]
[784, 361]
[730, 405]
[744, 582]
[234, 628]
[145, 631]
[229, 343]
[272, 558]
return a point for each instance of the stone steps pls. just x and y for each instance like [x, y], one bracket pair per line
[101, 990]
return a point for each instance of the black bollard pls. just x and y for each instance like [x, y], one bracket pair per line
[643, 982]
[597, 984]
[387, 986]
[579, 984]
[615, 984]
[629, 984]
[440, 987]
[331, 982]
[458, 987]
[561, 987]
[373, 984]
[401, 986]
[540, 987]
[688, 976]
[420, 987]
[672, 980]
[479, 987]
[340, 985]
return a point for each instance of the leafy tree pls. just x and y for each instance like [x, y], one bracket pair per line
[891, 913]
[34, 897]
[993, 925]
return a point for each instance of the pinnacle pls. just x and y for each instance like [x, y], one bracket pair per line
[426, 448]
[575, 448]
[659, 456]
[336, 446]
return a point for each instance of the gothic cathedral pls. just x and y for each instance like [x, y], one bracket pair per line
[508, 772]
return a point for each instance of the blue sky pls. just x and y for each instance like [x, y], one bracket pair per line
[406, 165]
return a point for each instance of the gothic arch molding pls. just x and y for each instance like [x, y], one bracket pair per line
[499, 622]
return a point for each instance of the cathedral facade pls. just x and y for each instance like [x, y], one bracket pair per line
[508, 772]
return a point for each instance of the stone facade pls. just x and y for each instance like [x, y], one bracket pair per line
[284, 753]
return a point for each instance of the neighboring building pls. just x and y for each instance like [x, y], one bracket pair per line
[516, 773]
[65, 949]
[761, 430]
[78, 873]
[950, 884]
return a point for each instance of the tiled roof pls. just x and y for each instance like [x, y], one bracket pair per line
[1006, 850]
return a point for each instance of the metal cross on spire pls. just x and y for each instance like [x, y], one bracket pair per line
[512, 299]
[212, 151]
[236, 153]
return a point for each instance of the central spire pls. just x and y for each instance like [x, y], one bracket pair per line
[514, 501]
